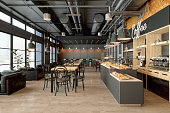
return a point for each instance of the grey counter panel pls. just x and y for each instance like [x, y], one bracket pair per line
[123, 92]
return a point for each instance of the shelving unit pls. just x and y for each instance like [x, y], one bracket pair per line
[139, 47]
[153, 44]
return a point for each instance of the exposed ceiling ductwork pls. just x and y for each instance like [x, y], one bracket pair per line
[66, 23]
[98, 20]
[82, 12]
[78, 12]
[116, 8]
[74, 19]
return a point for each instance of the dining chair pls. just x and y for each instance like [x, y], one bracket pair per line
[47, 75]
[61, 78]
[97, 65]
[79, 78]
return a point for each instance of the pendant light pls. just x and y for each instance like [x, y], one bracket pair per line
[31, 45]
[108, 16]
[99, 33]
[114, 37]
[47, 16]
[47, 49]
[63, 34]
[123, 35]
[109, 39]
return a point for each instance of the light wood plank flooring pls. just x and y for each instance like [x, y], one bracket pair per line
[95, 99]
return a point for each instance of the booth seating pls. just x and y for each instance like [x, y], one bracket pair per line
[11, 82]
[33, 74]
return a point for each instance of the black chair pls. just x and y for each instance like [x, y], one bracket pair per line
[97, 65]
[47, 75]
[61, 78]
[79, 78]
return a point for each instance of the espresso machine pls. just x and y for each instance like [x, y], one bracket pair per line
[160, 62]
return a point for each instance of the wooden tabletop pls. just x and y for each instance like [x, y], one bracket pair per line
[69, 68]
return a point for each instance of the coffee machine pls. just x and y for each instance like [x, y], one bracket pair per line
[142, 61]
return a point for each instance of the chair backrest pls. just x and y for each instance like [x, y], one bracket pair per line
[60, 72]
[47, 69]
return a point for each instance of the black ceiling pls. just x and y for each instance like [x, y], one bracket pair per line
[34, 14]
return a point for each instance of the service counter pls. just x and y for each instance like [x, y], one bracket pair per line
[124, 91]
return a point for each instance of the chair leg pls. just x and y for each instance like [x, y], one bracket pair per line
[73, 85]
[65, 90]
[47, 83]
[57, 88]
[54, 84]
[70, 81]
[67, 86]
[44, 84]
[83, 84]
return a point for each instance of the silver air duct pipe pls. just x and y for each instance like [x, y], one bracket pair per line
[98, 19]
[116, 8]
[66, 23]
[78, 12]
[74, 19]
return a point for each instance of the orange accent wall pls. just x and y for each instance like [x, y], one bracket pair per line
[154, 6]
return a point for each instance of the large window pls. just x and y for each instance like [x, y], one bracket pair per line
[38, 34]
[29, 29]
[19, 52]
[38, 54]
[31, 55]
[18, 24]
[51, 54]
[5, 51]
[54, 54]
[5, 17]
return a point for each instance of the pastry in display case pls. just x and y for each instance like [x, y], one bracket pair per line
[121, 76]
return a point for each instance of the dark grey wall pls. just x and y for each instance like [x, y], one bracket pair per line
[80, 53]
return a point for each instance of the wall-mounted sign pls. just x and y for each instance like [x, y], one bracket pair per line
[156, 21]
[137, 29]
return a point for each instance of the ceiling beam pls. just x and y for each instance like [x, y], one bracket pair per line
[58, 6]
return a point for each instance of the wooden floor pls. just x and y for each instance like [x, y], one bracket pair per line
[95, 99]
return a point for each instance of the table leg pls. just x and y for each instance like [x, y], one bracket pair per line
[51, 81]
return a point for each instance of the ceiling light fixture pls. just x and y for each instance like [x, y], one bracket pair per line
[108, 16]
[109, 39]
[99, 33]
[63, 34]
[123, 34]
[114, 37]
[47, 17]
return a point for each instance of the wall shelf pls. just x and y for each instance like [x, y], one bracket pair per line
[142, 46]
[160, 43]
[129, 50]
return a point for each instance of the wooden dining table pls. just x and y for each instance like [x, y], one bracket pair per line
[69, 68]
